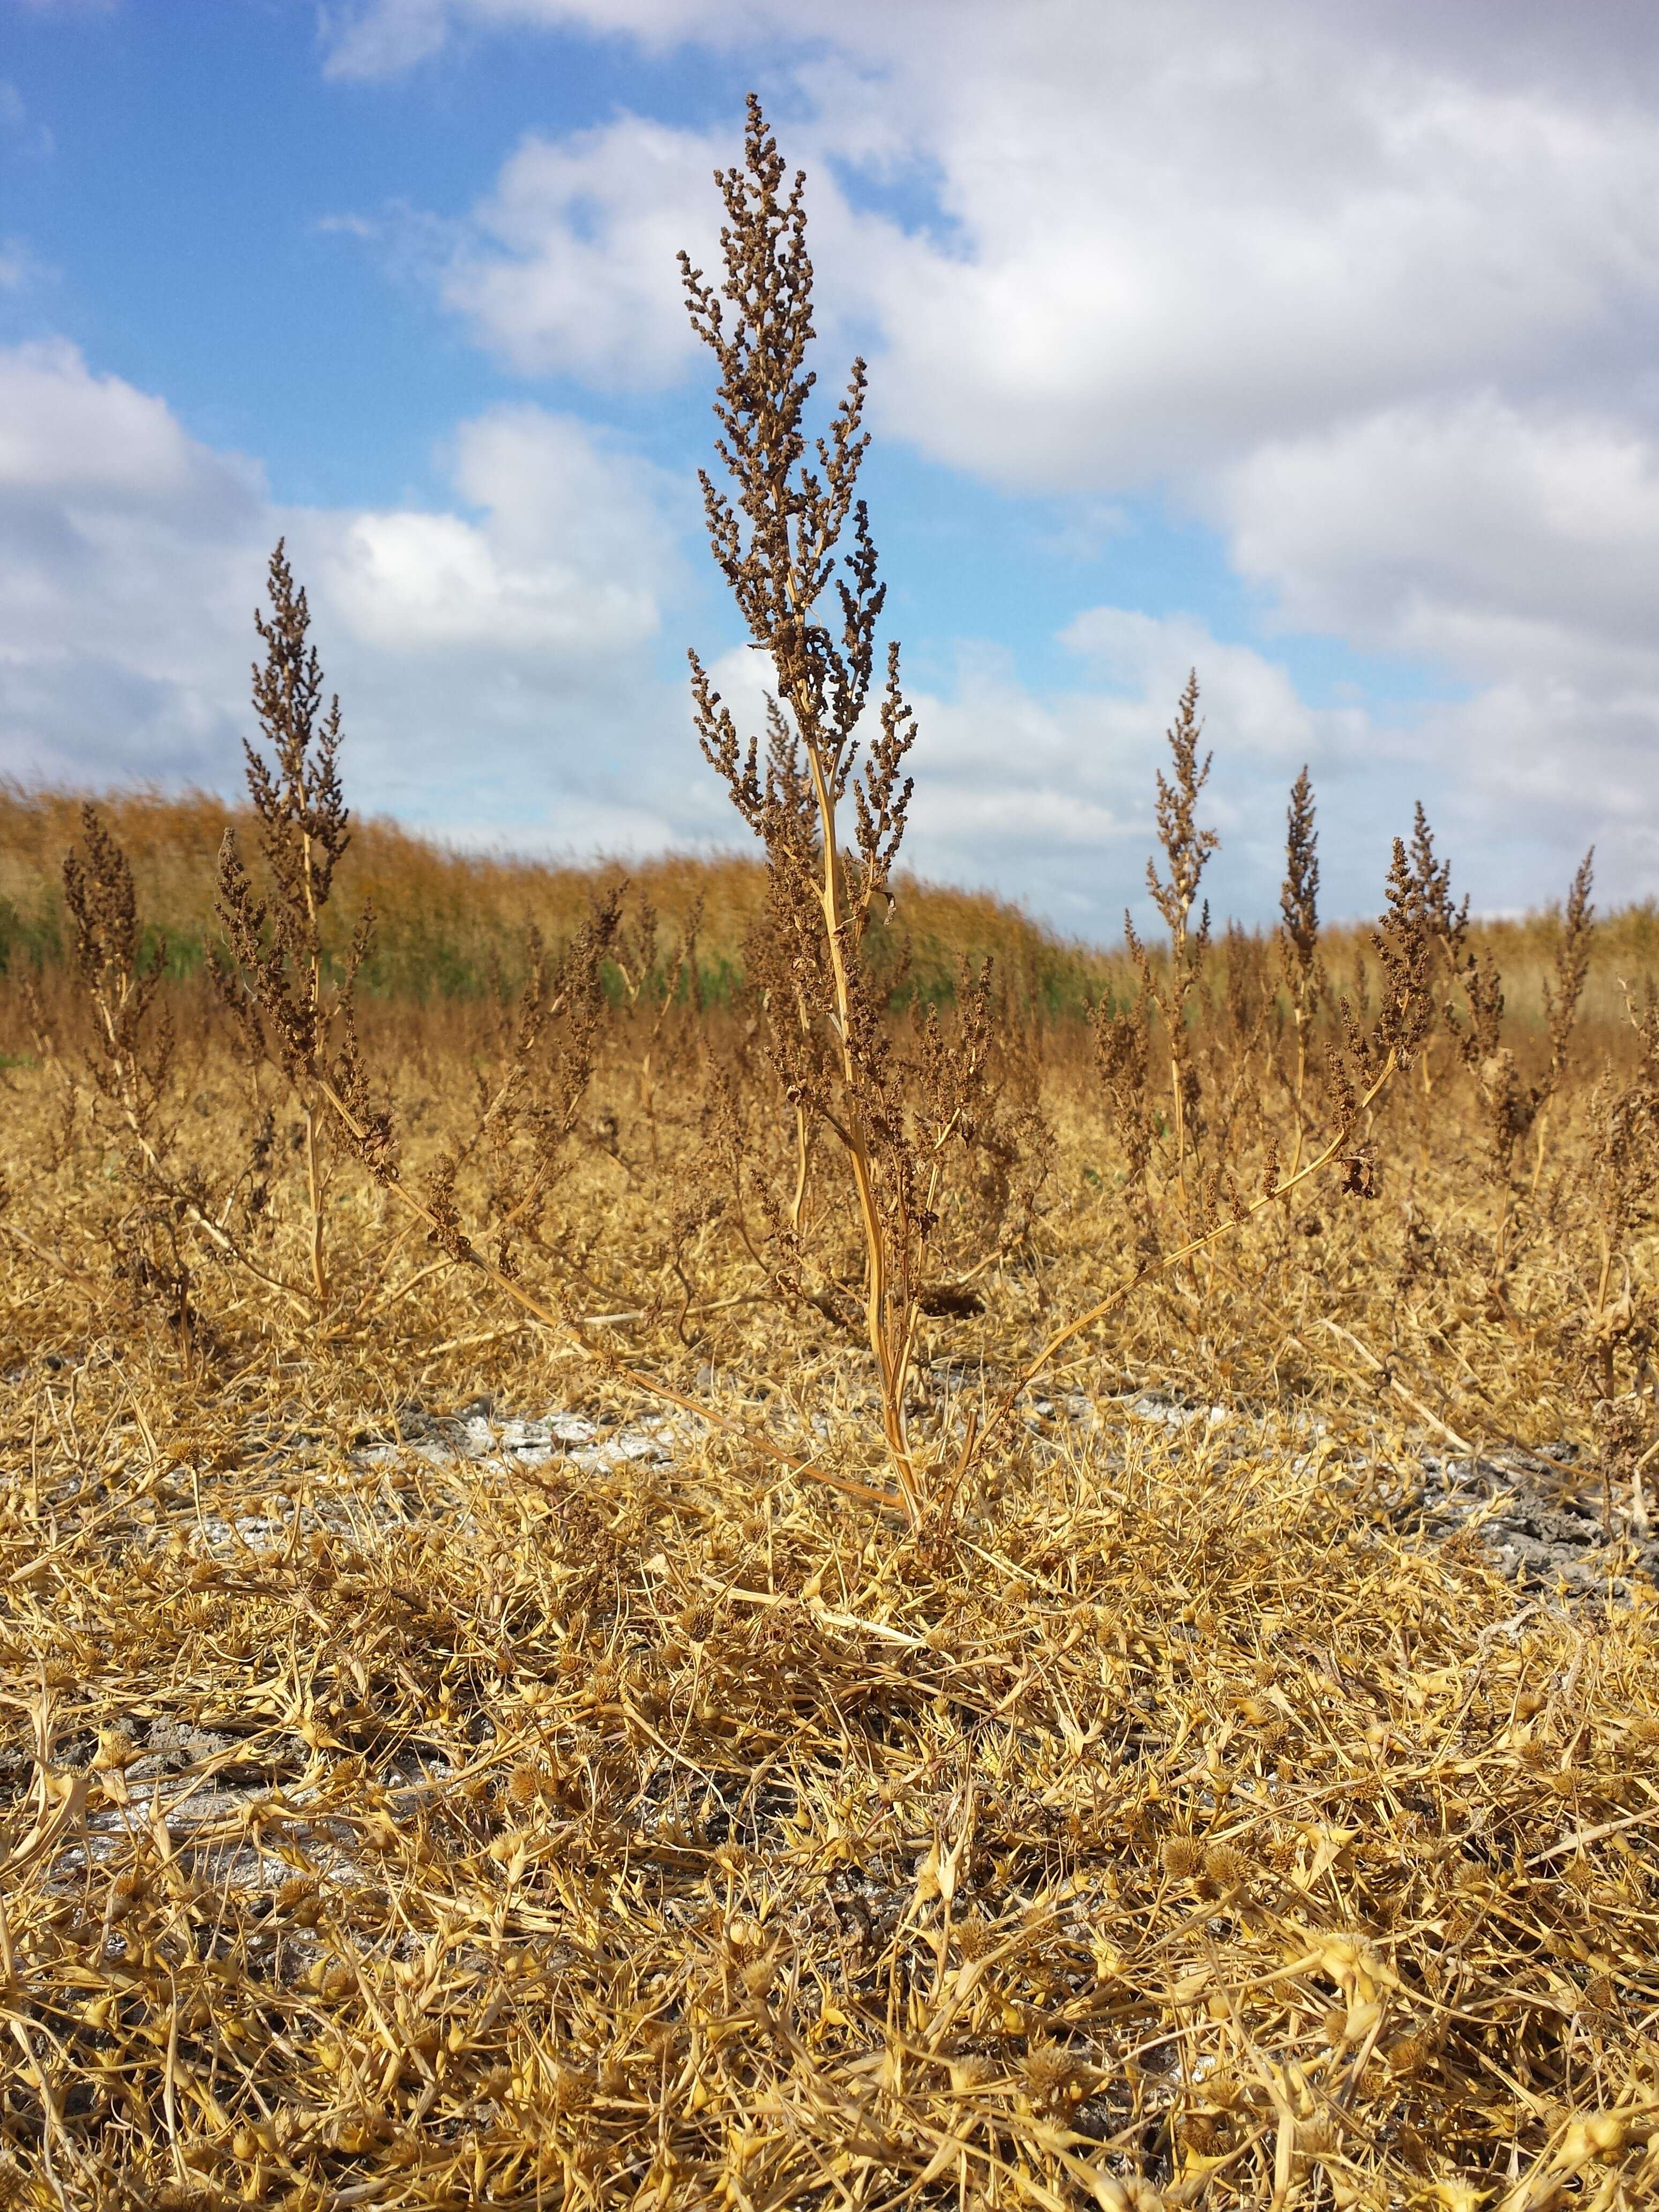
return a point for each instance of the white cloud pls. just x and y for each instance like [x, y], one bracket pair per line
[495, 664]
[1493, 538]
[114, 526]
[66, 431]
[1517, 549]
[1169, 231]
[382, 38]
[569, 265]
[569, 561]
[1165, 250]
[1145, 658]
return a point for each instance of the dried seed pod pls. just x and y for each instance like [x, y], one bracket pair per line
[1056, 2079]
[116, 1749]
[526, 1786]
[127, 1890]
[1409, 2054]
[972, 1938]
[1182, 1857]
[759, 1975]
[1224, 1868]
[299, 1900]
[570, 2088]
[972, 2070]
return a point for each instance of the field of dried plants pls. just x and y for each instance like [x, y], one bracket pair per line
[754, 1538]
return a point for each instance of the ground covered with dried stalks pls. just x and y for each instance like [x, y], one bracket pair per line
[439, 1772]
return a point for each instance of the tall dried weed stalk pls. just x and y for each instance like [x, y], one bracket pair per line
[130, 1062]
[1300, 964]
[1187, 848]
[777, 538]
[288, 1008]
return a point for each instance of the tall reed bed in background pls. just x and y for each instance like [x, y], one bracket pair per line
[451, 924]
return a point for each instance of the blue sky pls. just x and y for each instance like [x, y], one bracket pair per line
[1310, 350]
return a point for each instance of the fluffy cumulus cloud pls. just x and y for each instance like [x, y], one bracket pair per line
[496, 660]
[569, 264]
[1507, 540]
[115, 530]
[1375, 294]
[1157, 234]
[566, 568]
[1519, 547]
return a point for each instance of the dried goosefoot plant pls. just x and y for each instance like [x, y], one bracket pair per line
[296, 1017]
[1298, 939]
[1123, 1057]
[129, 1063]
[1448, 925]
[665, 989]
[129, 1059]
[895, 1121]
[1205, 1140]
[1361, 1069]
[1512, 1108]
[526, 1113]
[277, 974]
[1170, 993]
[1187, 848]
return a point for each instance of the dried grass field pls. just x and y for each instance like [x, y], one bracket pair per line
[782, 1544]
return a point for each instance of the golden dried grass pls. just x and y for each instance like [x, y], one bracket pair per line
[1177, 1827]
